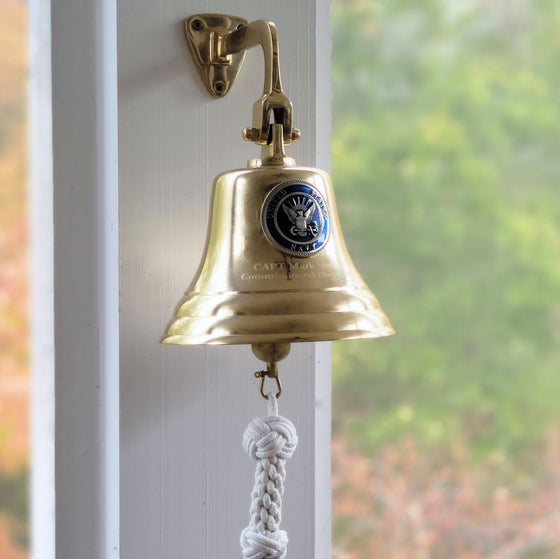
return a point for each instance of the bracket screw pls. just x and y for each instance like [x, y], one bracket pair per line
[219, 87]
[197, 24]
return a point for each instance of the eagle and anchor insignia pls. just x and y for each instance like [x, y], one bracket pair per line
[295, 218]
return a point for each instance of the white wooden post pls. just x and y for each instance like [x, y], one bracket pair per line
[42, 323]
[184, 480]
[75, 280]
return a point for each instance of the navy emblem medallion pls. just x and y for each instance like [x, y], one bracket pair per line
[295, 218]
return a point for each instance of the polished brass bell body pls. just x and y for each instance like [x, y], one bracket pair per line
[248, 291]
[275, 269]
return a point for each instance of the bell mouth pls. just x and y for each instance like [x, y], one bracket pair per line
[222, 336]
[277, 317]
[274, 338]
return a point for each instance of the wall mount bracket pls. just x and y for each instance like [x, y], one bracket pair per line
[218, 43]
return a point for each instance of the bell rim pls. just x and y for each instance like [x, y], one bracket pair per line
[329, 336]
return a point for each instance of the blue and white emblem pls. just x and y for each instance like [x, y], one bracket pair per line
[295, 218]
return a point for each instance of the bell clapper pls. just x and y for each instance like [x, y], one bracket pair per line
[270, 354]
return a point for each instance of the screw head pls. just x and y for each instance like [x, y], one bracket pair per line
[219, 87]
[197, 24]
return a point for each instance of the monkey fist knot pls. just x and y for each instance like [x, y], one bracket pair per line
[270, 437]
[261, 546]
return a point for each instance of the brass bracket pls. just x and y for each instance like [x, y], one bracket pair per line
[217, 70]
[218, 43]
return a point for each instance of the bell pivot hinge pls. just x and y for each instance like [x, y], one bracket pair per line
[218, 44]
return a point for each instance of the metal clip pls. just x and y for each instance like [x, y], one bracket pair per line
[272, 373]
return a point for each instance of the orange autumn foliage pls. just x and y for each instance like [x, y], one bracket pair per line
[7, 548]
[14, 270]
[402, 503]
[14, 326]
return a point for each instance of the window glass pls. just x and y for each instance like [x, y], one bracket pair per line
[446, 163]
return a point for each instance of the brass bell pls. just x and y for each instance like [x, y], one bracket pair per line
[275, 269]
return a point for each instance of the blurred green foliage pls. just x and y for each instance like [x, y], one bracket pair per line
[14, 490]
[446, 148]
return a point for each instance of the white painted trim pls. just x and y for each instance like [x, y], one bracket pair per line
[75, 185]
[108, 269]
[323, 125]
[42, 287]
[323, 493]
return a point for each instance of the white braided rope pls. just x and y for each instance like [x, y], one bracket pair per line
[270, 441]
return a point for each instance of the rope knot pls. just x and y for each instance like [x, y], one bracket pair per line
[269, 437]
[271, 441]
[264, 546]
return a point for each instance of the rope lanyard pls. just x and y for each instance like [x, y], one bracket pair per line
[270, 441]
